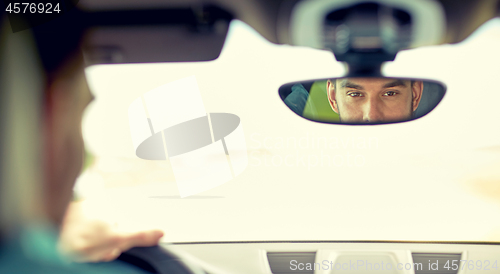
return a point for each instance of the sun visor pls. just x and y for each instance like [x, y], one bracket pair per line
[146, 36]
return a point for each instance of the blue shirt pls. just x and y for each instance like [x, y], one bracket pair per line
[34, 250]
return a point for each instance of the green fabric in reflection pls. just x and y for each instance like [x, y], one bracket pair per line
[317, 106]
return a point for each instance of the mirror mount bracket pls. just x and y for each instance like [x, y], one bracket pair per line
[363, 71]
[364, 35]
[365, 65]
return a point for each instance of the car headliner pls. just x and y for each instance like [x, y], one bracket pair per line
[270, 17]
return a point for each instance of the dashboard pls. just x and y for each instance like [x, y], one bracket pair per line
[341, 257]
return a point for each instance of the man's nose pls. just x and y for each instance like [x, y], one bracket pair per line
[372, 111]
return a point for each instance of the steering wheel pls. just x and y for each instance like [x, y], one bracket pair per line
[156, 259]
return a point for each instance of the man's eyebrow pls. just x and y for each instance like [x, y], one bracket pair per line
[395, 83]
[347, 84]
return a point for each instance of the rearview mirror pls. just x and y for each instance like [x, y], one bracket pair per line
[367, 100]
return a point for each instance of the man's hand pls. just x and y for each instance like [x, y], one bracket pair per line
[91, 240]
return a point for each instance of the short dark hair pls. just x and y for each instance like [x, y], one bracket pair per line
[59, 41]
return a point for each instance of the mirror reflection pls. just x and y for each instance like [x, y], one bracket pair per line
[374, 100]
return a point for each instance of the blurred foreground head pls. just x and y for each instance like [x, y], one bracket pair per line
[65, 97]
[43, 96]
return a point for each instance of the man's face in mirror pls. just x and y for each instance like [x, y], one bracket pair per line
[374, 100]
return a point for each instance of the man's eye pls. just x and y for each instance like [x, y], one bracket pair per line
[390, 93]
[354, 94]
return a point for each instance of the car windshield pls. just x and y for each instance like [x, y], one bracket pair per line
[432, 179]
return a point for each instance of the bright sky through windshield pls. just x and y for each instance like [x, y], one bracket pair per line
[431, 179]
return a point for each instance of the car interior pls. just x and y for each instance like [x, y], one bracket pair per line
[411, 195]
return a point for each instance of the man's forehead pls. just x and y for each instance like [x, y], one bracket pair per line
[380, 81]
